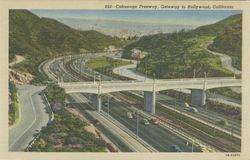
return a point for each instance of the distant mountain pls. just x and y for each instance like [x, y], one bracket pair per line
[36, 37]
[219, 27]
[182, 53]
[123, 28]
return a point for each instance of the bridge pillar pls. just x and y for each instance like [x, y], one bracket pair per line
[198, 97]
[149, 101]
[97, 101]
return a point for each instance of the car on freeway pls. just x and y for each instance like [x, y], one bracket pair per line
[145, 121]
[154, 121]
[175, 148]
[129, 115]
[106, 104]
[193, 110]
[96, 122]
[186, 104]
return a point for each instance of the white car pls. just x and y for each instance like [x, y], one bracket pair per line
[129, 115]
[145, 121]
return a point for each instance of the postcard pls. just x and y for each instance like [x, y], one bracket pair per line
[124, 80]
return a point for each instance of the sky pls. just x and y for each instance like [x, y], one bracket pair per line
[181, 17]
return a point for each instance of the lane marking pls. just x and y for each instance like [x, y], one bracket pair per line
[33, 108]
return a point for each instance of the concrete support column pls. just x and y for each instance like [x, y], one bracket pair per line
[149, 101]
[198, 97]
[97, 101]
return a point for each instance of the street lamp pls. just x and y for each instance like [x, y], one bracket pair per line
[194, 73]
[108, 104]
[137, 124]
[99, 85]
[154, 83]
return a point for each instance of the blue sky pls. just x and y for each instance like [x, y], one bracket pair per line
[183, 17]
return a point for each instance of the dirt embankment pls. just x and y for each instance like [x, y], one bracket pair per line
[16, 76]
[19, 77]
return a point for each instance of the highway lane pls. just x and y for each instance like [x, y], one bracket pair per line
[33, 117]
[157, 136]
[83, 108]
[115, 131]
[206, 115]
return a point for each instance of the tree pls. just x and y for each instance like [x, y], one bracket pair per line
[55, 94]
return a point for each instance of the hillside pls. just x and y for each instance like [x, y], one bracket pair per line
[38, 39]
[182, 54]
[230, 42]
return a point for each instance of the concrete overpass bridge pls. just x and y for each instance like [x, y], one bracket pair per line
[198, 87]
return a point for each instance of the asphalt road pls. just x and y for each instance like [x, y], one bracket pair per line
[33, 117]
[115, 132]
[157, 136]
[226, 61]
[203, 114]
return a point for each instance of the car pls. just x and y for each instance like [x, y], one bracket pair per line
[193, 110]
[222, 122]
[129, 115]
[145, 121]
[185, 104]
[175, 148]
[96, 122]
[106, 104]
[154, 121]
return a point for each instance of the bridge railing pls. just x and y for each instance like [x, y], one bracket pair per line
[187, 81]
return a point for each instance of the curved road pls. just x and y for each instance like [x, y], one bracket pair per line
[226, 61]
[33, 117]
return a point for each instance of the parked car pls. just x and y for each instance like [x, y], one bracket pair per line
[129, 115]
[154, 121]
[145, 121]
[193, 110]
[175, 148]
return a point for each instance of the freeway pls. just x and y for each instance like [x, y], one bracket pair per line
[117, 132]
[69, 74]
[155, 135]
[33, 117]
[206, 115]
[163, 145]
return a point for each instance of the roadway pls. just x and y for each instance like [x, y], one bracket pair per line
[33, 117]
[162, 145]
[118, 113]
[158, 137]
[205, 115]
[226, 61]
[113, 130]
[130, 71]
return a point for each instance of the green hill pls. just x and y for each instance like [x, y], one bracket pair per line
[229, 41]
[182, 54]
[38, 39]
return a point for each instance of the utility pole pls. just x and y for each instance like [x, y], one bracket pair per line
[137, 124]
[194, 73]
[108, 105]
[192, 145]
[232, 135]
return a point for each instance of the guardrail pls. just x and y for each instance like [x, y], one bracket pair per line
[51, 118]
